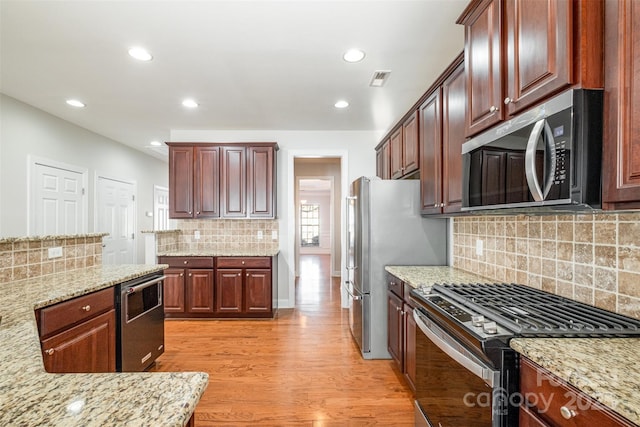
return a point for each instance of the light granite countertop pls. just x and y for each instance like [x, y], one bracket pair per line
[605, 369]
[31, 396]
[424, 275]
[248, 251]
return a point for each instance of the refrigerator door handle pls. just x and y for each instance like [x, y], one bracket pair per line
[354, 297]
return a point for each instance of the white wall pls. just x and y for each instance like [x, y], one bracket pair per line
[26, 130]
[356, 147]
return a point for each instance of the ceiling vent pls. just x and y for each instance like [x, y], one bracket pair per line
[379, 78]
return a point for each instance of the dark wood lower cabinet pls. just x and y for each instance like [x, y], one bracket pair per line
[237, 287]
[401, 329]
[79, 335]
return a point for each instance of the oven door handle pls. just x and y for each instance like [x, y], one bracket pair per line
[460, 355]
[144, 285]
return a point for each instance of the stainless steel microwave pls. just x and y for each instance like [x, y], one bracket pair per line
[548, 157]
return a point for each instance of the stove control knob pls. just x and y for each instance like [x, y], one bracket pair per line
[490, 328]
[477, 320]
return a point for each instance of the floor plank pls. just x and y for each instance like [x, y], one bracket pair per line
[300, 369]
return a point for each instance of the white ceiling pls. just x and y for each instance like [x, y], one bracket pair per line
[251, 65]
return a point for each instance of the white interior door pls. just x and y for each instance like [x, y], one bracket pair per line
[115, 214]
[58, 204]
[160, 208]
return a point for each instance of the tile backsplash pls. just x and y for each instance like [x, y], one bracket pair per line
[22, 258]
[593, 258]
[220, 235]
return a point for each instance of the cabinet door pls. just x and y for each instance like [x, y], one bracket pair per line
[409, 347]
[180, 182]
[386, 160]
[173, 290]
[621, 163]
[430, 152]
[483, 59]
[199, 291]
[207, 182]
[410, 145]
[395, 145]
[539, 52]
[453, 119]
[257, 291]
[379, 170]
[260, 188]
[229, 290]
[88, 347]
[395, 329]
[233, 182]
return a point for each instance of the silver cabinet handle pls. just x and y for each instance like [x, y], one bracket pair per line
[567, 413]
[186, 262]
[507, 101]
[493, 109]
[50, 351]
[86, 308]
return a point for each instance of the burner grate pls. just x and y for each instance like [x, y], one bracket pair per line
[532, 312]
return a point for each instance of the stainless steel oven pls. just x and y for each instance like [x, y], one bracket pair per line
[457, 387]
[140, 332]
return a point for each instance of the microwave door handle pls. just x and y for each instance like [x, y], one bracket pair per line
[530, 161]
[489, 376]
[550, 159]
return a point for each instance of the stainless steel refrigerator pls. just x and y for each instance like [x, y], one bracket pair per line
[384, 227]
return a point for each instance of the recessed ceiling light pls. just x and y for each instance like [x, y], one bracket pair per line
[341, 104]
[189, 103]
[353, 55]
[155, 143]
[75, 103]
[140, 54]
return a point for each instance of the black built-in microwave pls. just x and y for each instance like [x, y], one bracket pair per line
[547, 157]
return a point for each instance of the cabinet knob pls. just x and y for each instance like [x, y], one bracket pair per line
[442, 205]
[239, 274]
[198, 213]
[242, 262]
[507, 101]
[567, 413]
[190, 212]
[247, 274]
[493, 109]
[181, 274]
[190, 274]
[397, 308]
[86, 307]
[392, 283]
[50, 351]
[435, 205]
[186, 262]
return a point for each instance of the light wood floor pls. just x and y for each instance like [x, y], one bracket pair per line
[301, 369]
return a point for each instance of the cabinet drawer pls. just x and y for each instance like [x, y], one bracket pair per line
[548, 397]
[67, 313]
[395, 285]
[243, 262]
[187, 261]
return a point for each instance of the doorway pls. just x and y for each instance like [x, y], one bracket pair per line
[57, 200]
[116, 214]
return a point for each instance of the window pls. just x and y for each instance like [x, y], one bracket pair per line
[310, 224]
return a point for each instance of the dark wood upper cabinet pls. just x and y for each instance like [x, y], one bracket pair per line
[483, 60]
[383, 160]
[181, 181]
[520, 52]
[539, 51]
[395, 146]
[260, 185]
[207, 182]
[431, 153]
[410, 145]
[210, 180]
[453, 124]
[234, 184]
[621, 163]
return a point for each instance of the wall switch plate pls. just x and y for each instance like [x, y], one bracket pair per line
[479, 247]
[196, 235]
[55, 252]
[260, 235]
[274, 235]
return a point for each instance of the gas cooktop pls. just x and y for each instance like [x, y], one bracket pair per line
[525, 311]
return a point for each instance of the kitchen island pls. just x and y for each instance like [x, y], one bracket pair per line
[604, 369]
[31, 396]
